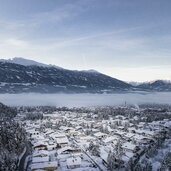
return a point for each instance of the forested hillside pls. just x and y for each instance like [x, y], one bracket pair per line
[12, 139]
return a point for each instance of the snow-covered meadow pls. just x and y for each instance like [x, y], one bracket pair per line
[85, 100]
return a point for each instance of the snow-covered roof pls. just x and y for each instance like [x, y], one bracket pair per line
[110, 139]
[129, 135]
[129, 146]
[39, 137]
[57, 135]
[62, 140]
[127, 156]
[147, 132]
[120, 132]
[99, 134]
[78, 127]
[40, 159]
[40, 153]
[40, 143]
[87, 138]
[168, 124]
[49, 131]
[43, 165]
[74, 161]
[103, 154]
[139, 137]
[64, 149]
[65, 128]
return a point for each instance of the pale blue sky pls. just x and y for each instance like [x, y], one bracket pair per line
[126, 39]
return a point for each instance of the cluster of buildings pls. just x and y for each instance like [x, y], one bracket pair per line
[66, 140]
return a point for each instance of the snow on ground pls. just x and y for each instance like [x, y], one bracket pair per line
[87, 100]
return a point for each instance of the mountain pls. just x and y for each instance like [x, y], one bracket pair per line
[158, 85]
[20, 75]
[30, 76]
[26, 62]
[134, 83]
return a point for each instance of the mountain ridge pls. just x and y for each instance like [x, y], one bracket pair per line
[17, 78]
[158, 85]
[20, 75]
[27, 62]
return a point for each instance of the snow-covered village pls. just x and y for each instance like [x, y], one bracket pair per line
[97, 139]
[85, 85]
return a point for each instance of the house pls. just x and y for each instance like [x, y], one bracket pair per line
[140, 139]
[111, 139]
[145, 132]
[55, 135]
[87, 138]
[128, 136]
[100, 135]
[48, 166]
[51, 147]
[73, 162]
[129, 147]
[40, 146]
[32, 133]
[72, 132]
[66, 129]
[119, 133]
[62, 141]
[40, 159]
[78, 128]
[49, 131]
[69, 150]
[40, 153]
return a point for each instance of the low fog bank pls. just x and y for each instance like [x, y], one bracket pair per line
[83, 100]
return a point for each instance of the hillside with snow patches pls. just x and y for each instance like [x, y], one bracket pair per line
[17, 78]
[19, 75]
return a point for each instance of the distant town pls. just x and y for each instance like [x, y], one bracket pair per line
[97, 139]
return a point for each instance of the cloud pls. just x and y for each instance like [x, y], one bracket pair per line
[16, 42]
[94, 37]
[36, 20]
[58, 15]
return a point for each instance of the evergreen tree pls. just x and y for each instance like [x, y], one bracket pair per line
[111, 161]
[166, 164]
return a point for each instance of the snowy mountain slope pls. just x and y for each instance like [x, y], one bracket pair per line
[26, 62]
[158, 85]
[19, 78]
[22, 75]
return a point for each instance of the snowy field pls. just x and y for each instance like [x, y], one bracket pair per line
[86, 100]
